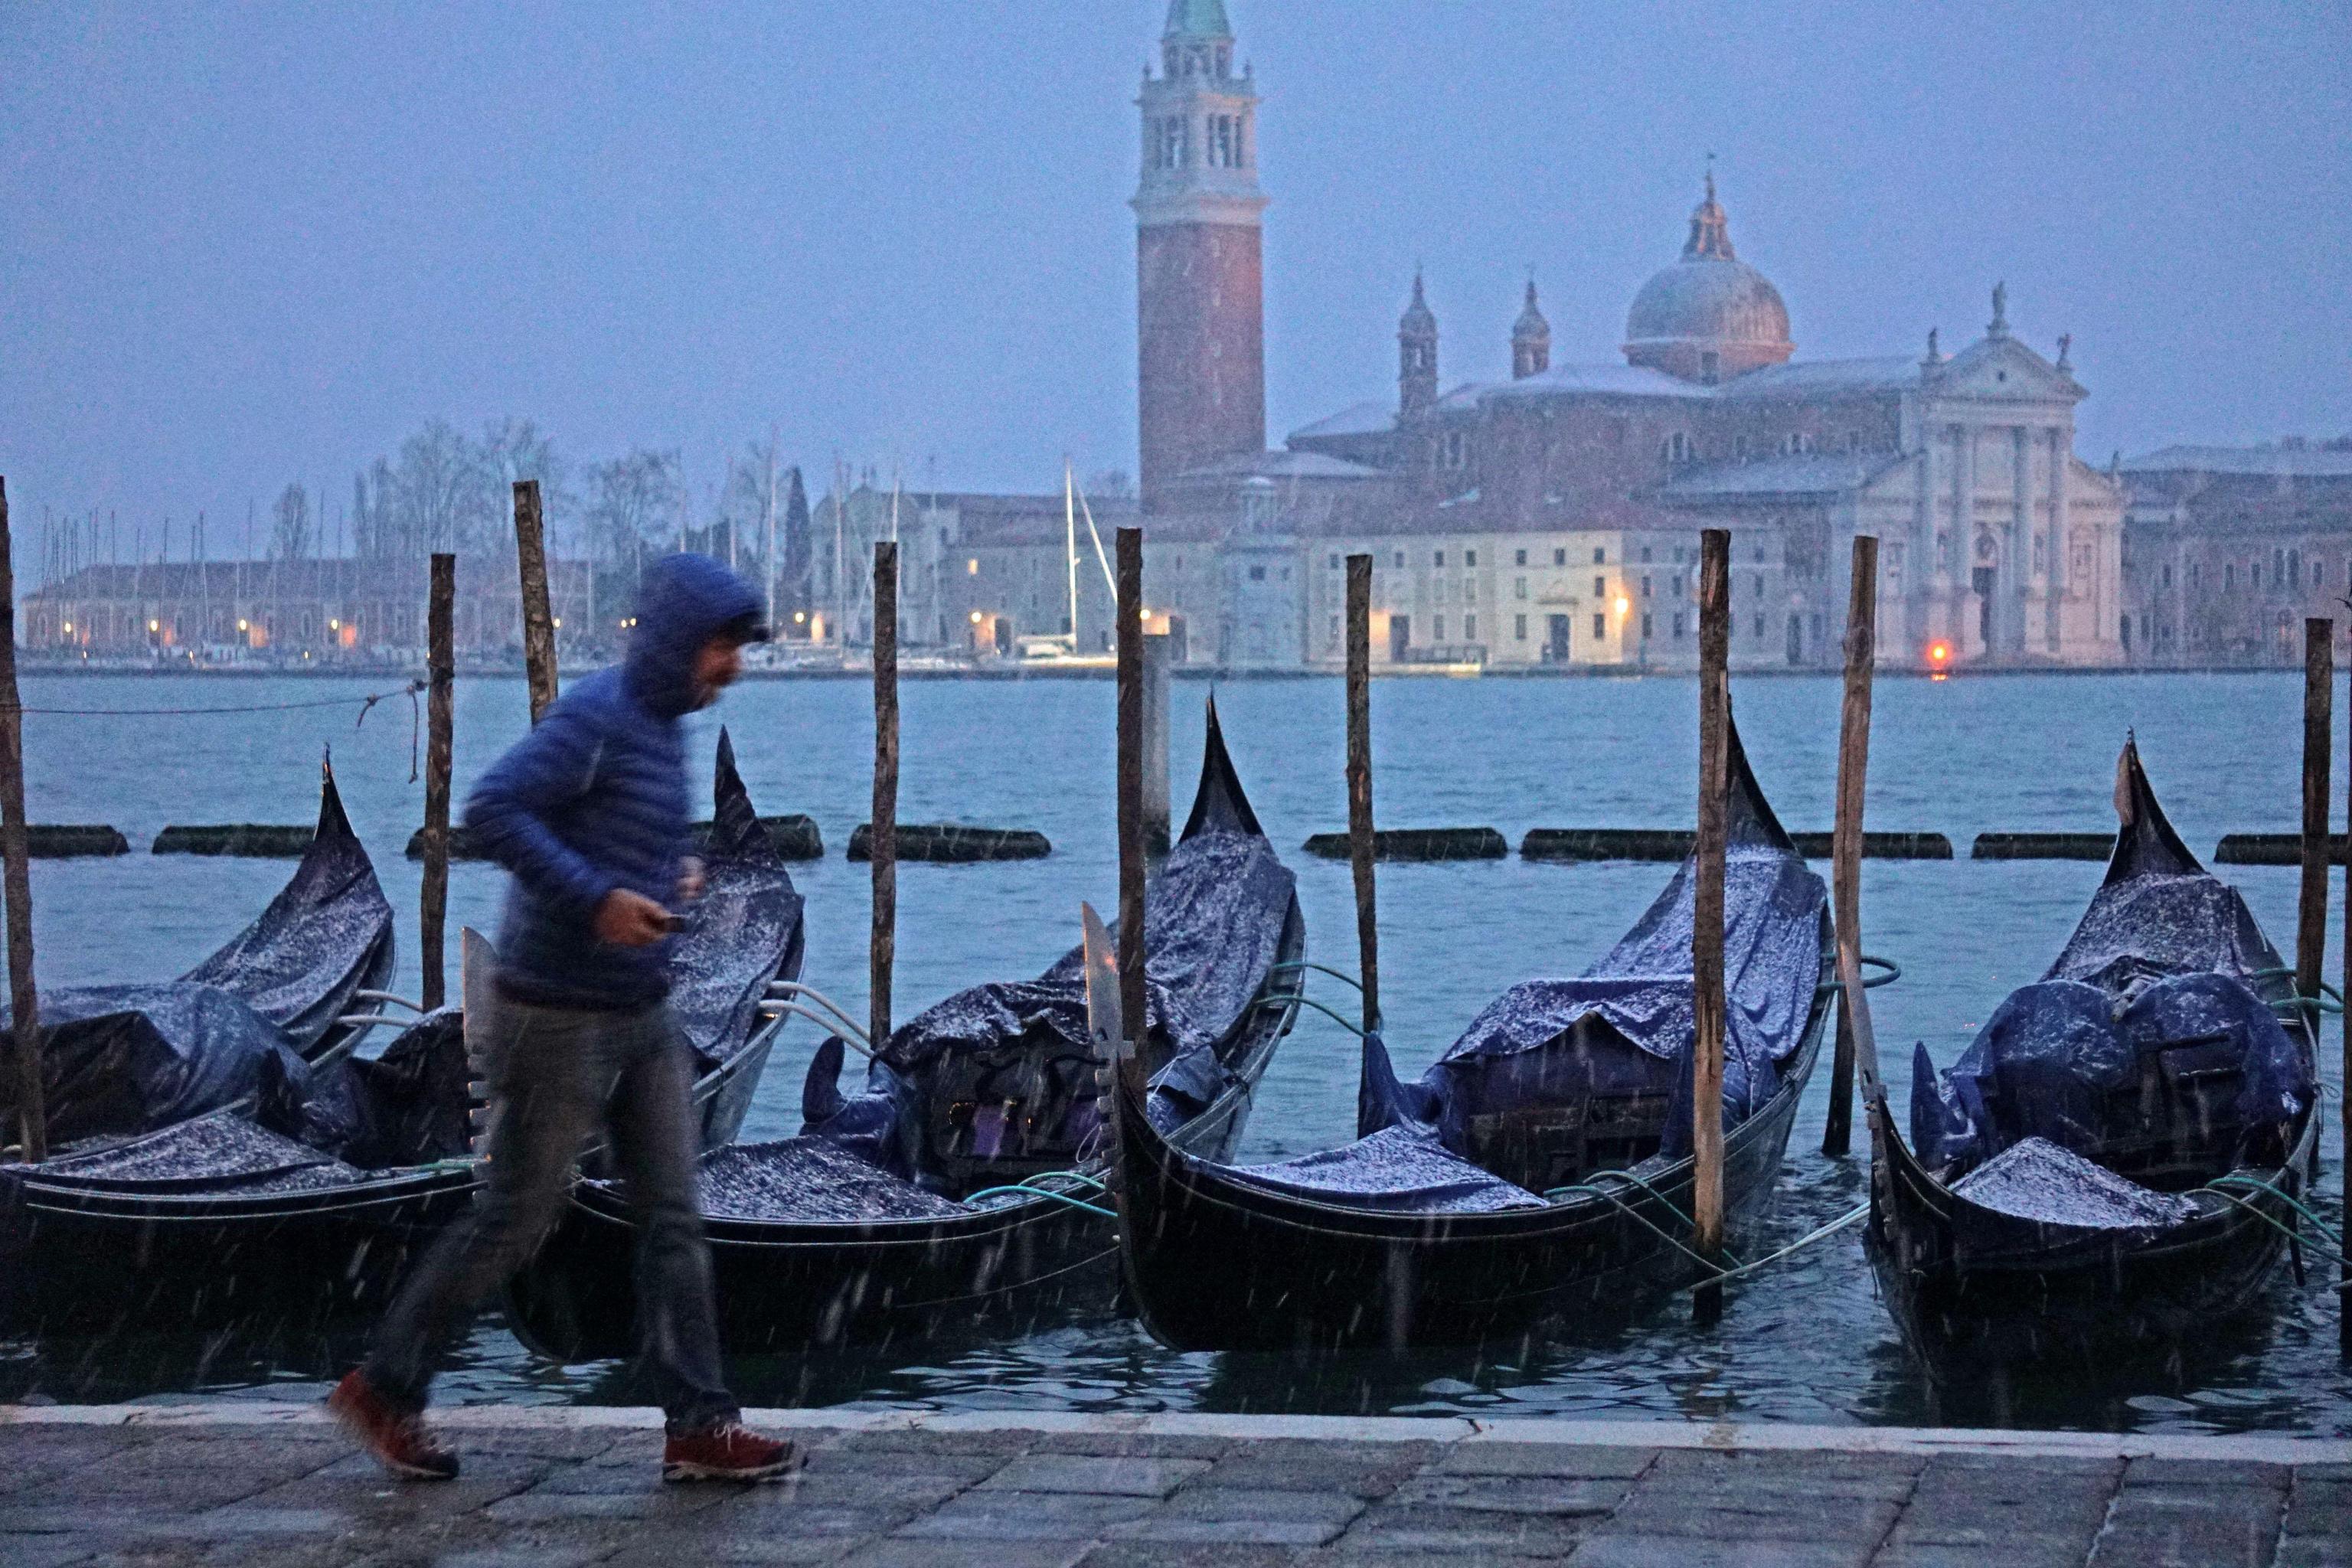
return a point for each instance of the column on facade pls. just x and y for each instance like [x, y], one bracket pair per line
[1959, 546]
[2020, 573]
[2056, 593]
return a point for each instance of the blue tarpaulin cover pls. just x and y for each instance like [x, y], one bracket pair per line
[2164, 966]
[1213, 922]
[128, 1058]
[1626, 1023]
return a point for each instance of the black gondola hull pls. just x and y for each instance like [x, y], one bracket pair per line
[2015, 1294]
[1214, 1263]
[80, 1260]
[785, 1287]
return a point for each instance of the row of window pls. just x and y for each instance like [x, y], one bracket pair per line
[1171, 142]
[1334, 561]
[1600, 627]
[2286, 572]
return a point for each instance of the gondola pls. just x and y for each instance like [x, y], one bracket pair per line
[1475, 1206]
[903, 1211]
[2109, 1167]
[124, 1059]
[305, 1206]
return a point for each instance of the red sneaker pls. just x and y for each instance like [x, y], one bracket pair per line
[729, 1451]
[399, 1440]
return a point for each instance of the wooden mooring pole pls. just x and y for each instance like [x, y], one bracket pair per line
[1845, 837]
[537, 619]
[1707, 923]
[884, 837]
[1130, 789]
[1157, 810]
[1359, 779]
[25, 1006]
[441, 681]
[2318, 748]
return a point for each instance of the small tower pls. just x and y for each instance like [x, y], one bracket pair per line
[1199, 294]
[1416, 354]
[1531, 339]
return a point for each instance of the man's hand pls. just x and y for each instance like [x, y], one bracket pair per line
[689, 879]
[630, 920]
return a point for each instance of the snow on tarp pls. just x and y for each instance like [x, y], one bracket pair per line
[811, 1179]
[1626, 1024]
[1213, 918]
[128, 1058]
[744, 931]
[2038, 1181]
[221, 1152]
[2162, 967]
[1397, 1169]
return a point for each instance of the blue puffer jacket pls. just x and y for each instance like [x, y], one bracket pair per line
[594, 799]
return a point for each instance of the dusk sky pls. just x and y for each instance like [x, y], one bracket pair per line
[241, 244]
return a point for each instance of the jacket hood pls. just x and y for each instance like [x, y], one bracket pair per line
[684, 602]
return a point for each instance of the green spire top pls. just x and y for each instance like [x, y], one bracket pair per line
[1198, 19]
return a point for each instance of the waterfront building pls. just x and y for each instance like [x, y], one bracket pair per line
[2227, 549]
[354, 610]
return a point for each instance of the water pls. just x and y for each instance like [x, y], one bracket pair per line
[1805, 1342]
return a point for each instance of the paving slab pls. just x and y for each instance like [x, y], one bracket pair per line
[177, 1487]
[1090, 1473]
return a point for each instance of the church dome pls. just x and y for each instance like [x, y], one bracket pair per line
[1710, 315]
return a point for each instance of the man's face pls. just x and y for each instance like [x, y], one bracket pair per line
[715, 669]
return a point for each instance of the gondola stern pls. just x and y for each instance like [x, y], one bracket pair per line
[1220, 803]
[334, 823]
[2146, 842]
[736, 833]
[1752, 818]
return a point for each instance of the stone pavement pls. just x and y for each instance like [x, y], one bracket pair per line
[241, 1482]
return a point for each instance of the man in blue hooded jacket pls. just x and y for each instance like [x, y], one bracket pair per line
[588, 813]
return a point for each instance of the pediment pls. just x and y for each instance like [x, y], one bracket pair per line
[2003, 370]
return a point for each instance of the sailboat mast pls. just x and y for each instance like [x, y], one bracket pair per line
[1070, 545]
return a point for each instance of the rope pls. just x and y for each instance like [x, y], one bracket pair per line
[1337, 1018]
[1338, 975]
[1843, 1220]
[1027, 1187]
[1891, 973]
[366, 703]
[2259, 1184]
[2330, 1000]
[2286, 1230]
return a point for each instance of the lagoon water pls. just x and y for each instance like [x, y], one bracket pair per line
[1805, 1342]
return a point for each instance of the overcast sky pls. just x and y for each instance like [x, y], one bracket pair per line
[246, 244]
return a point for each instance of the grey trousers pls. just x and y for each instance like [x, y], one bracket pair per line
[556, 1075]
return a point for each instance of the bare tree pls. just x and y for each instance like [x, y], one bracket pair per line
[632, 506]
[290, 537]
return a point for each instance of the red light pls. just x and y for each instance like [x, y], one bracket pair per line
[1939, 654]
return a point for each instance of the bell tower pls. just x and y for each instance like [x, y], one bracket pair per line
[1199, 294]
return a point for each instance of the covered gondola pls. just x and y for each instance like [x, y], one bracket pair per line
[941, 1197]
[123, 1060]
[2115, 1161]
[1540, 1168]
[306, 1204]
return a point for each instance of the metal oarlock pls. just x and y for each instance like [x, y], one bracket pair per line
[775, 1007]
[810, 992]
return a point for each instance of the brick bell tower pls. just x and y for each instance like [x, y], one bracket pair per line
[1200, 308]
